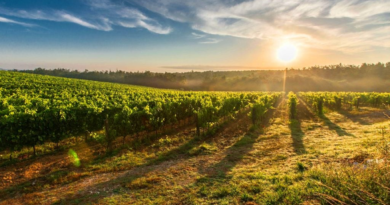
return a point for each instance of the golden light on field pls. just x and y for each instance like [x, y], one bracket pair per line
[287, 52]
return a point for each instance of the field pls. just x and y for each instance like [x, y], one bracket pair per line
[66, 141]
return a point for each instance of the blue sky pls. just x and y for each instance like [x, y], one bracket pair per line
[175, 35]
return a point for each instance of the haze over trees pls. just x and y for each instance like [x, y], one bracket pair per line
[366, 77]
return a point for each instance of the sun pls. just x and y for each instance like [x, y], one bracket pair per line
[287, 52]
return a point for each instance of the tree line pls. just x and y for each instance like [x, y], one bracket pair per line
[366, 77]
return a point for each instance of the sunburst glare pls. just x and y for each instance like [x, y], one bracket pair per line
[287, 53]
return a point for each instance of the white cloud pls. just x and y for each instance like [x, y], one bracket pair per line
[154, 27]
[122, 15]
[128, 24]
[5, 20]
[210, 41]
[58, 16]
[197, 36]
[358, 24]
[102, 15]
[76, 20]
[359, 9]
[204, 39]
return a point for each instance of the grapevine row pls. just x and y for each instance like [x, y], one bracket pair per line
[36, 109]
[336, 100]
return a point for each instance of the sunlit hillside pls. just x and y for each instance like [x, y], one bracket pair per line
[67, 141]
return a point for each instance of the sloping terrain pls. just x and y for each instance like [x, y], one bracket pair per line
[238, 164]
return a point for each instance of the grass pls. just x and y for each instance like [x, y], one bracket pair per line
[301, 167]
[235, 165]
[358, 184]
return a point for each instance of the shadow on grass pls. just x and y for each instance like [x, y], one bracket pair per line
[352, 117]
[332, 126]
[161, 163]
[184, 149]
[297, 136]
[36, 184]
[141, 143]
[121, 180]
[234, 155]
[237, 152]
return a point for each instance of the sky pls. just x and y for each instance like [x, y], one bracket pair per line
[183, 35]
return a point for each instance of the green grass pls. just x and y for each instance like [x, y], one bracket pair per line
[234, 166]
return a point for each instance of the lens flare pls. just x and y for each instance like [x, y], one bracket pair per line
[74, 158]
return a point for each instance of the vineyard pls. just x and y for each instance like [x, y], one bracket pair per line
[38, 109]
[186, 147]
[348, 100]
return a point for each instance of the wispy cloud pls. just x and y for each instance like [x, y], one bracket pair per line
[343, 25]
[210, 41]
[204, 39]
[360, 24]
[154, 27]
[128, 17]
[197, 35]
[58, 16]
[5, 20]
[76, 20]
[100, 15]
